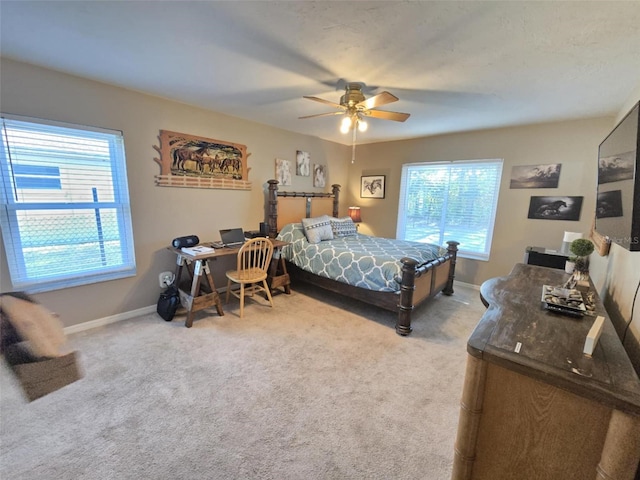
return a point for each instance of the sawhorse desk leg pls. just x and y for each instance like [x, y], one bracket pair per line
[196, 299]
[277, 279]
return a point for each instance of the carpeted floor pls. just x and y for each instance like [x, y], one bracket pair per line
[319, 387]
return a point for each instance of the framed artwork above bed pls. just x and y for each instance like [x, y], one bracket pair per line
[372, 186]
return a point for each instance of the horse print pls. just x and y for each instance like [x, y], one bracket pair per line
[372, 186]
[191, 156]
[551, 209]
[555, 208]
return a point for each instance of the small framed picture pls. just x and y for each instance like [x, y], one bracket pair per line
[303, 167]
[372, 186]
[283, 171]
[319, 175]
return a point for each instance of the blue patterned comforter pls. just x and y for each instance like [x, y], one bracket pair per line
[364, 261]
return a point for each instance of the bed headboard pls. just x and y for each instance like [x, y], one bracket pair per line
[291, 207]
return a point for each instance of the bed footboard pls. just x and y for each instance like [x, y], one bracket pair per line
[429, 279]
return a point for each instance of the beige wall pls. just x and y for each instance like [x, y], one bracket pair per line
[573, 144]
[159, 213]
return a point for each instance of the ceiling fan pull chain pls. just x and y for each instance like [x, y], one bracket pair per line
[353, 146]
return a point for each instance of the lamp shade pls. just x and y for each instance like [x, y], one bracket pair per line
[354, 213]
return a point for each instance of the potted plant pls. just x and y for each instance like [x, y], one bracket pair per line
[581, 248]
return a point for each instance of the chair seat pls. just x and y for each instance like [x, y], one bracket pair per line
[247, 276]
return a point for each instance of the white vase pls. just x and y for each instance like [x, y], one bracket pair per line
[569, 267]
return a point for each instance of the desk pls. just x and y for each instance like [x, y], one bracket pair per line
[533, 405]
[201, 296]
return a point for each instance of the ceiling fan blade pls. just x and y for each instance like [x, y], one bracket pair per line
[395, 116]
[322, 115]
[378, 100]
[326, 102]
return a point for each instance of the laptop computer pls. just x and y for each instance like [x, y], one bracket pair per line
[232, 237]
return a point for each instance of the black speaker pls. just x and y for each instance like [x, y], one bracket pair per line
[188, 241]
[264, 229]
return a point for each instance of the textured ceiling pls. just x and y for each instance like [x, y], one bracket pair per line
[456, 66]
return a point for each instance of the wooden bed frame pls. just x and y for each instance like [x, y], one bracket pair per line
[419, 281]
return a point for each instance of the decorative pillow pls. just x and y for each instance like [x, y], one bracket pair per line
[343, 227]
[41, 329]
[318, 228]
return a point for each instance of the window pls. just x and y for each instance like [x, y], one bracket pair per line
[442, 201]
[65, 213]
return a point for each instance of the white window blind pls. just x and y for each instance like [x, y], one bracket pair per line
[441, 201]
[65, 215]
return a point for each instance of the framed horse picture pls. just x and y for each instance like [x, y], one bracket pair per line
[199, 162]
[372, 186]
[555, 208]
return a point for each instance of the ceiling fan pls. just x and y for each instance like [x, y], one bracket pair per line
[356, 107]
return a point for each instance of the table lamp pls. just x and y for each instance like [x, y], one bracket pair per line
[354, 213]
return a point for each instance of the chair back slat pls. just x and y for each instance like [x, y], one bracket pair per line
[255, 254]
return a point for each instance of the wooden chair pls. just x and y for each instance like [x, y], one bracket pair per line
[254, 259]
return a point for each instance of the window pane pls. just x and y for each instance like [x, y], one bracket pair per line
[450, 201]
[66, 217]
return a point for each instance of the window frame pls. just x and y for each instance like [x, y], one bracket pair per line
[118, 208]
[401, 227]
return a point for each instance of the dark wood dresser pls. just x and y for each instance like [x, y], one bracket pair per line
[534, 406]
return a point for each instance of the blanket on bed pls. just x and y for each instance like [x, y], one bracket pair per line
[360, 260]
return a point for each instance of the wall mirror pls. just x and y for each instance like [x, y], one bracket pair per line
[618, 202]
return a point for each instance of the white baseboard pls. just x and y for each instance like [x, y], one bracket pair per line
[99, 322]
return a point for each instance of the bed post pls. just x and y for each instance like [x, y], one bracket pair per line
[407, 286]
[335, 190]
[273, 208]
[453, 253]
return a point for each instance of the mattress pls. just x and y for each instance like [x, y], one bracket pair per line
[364, 261]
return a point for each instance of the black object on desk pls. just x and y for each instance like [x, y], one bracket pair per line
[544, 257]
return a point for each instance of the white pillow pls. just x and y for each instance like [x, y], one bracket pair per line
[318, 228]
[343, 227]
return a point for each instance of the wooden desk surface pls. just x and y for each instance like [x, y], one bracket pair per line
[552, 344]
[219, 252]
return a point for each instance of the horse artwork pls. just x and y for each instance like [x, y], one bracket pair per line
[372, 186]
[555, 208]
[197, 162]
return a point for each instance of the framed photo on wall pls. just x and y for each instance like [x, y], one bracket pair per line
[283, 171]
[319, 175]
[535, 176]
[372, 186]
[303, 167]
[555, 208]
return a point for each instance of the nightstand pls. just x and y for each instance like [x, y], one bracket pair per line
[545, 257]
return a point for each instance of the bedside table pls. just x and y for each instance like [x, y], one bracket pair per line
[545, 257]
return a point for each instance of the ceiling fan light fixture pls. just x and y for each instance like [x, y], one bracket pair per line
[362, 125]
[345, 125]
